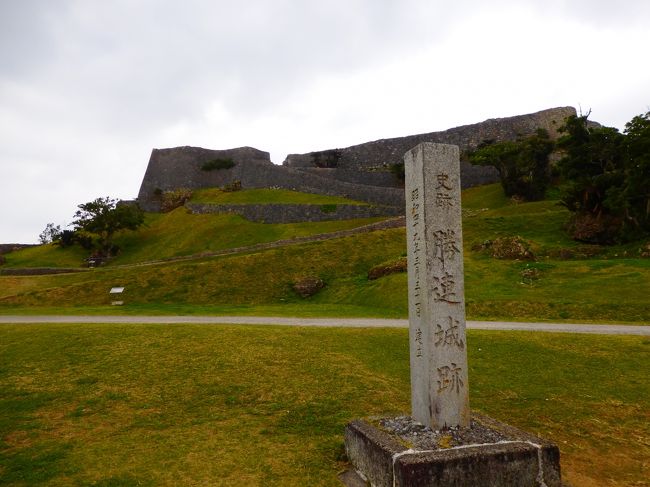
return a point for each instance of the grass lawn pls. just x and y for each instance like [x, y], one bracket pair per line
[266, 196]
[244, 405]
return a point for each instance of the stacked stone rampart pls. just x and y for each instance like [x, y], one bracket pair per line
[6, 248]
[180, 167]
[362, 172]
[381, 154]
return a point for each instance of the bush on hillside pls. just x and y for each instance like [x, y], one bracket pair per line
[512, 248]
[387, 268]
[233, 186]
[308, 286]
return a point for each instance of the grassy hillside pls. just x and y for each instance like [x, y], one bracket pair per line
[266, 196]
[607, 287]
[179, 233]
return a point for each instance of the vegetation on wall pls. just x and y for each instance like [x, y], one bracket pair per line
[398, 171]
[176, 198]
[217, 164]
[328, 158]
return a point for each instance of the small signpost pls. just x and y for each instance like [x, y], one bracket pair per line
[116, 292]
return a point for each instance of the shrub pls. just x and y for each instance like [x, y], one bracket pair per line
[233, 186]
[529, 275]
[308, 286]
[514, 248]
[67, 238]
[387, 268]
[328, 208]
[218, 164]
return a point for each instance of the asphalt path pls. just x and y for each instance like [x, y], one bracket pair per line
[600, 329]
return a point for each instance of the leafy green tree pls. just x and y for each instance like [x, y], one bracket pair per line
[52, 233]
[637, 187]
[523, 165]
[607, 179]
[592, 165]
[100, 219]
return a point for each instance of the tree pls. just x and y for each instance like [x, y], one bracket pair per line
[637, 187]
[50, 234]
[607, 178]
[101, 218]
[523, 165]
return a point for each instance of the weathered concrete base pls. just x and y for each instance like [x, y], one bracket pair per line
[518, 460]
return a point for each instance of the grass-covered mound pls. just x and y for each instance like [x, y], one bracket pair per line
[179, 233]
[561, 282]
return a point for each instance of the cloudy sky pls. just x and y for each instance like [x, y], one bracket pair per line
[89, 87]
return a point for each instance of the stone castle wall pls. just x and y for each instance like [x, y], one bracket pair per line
[181, 168]
[381, 154]
[361, 172]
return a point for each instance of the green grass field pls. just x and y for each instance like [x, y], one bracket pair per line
[261, 406]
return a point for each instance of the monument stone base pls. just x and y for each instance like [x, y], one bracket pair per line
[398, 452]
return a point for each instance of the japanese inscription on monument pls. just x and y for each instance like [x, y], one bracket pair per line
[439, 386]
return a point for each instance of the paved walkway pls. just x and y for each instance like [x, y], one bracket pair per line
[332, 322]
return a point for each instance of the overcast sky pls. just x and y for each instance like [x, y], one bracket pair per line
[89, 87]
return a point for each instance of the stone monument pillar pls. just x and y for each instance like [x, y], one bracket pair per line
[439, 385]
[440, 445]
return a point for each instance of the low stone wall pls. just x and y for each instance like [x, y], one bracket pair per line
[38, 271]
[292, 213]
[6, 248]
